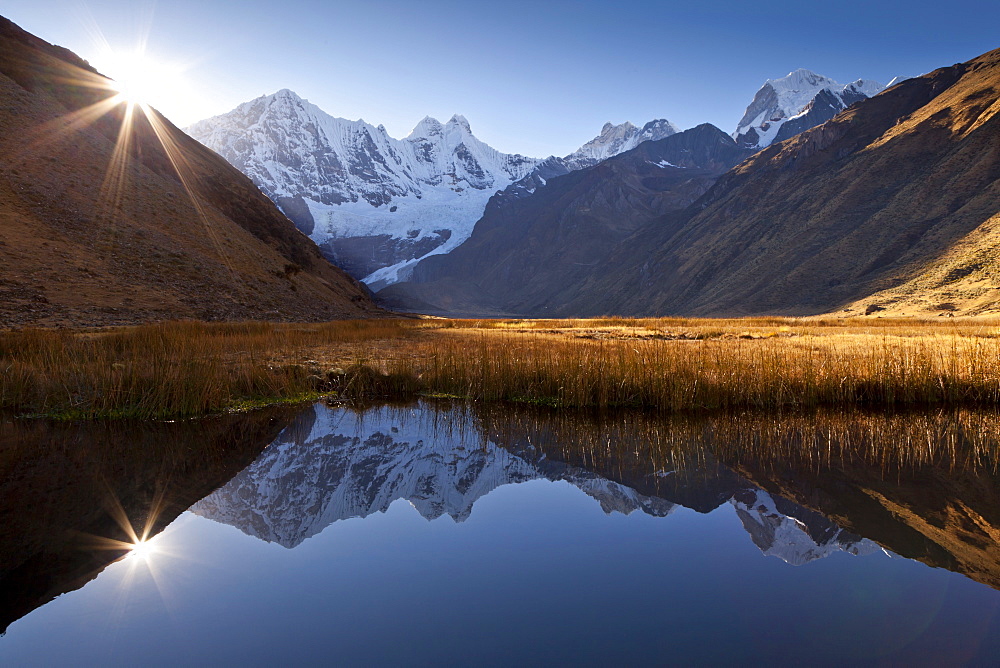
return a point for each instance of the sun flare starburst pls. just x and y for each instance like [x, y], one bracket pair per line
[144, 549]
[123, 111]
[140, 79]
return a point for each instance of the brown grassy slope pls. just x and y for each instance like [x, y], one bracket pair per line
[900, 192]
[89, 239]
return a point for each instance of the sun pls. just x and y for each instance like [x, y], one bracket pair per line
[136, 84]
[140, 79]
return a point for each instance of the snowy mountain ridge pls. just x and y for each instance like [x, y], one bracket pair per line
[367, 199]
[375, 205]
[616, 139]
[613, 140]
[792, 97]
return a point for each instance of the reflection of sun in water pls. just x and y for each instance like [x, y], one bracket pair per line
[144, 549]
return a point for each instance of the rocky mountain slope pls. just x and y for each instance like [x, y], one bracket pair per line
[375, 204]
[112, 216]
[891, 205]
[529, 255]
[784, 107]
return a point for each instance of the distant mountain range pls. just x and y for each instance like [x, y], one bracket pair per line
[374, 204]
[377, 206]
[888, 207]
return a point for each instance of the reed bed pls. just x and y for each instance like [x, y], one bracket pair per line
[673, 376]
[667, 365]
[176, 369]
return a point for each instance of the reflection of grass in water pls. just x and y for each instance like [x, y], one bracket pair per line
[642, 443]
[666, 365]
[922, 485]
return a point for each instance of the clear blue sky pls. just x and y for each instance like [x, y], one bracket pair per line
[537, 78]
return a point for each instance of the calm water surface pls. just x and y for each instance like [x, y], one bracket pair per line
[456, 535]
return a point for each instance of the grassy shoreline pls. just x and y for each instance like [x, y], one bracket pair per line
[185, 369]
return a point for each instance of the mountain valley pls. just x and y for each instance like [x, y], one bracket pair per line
[377, 205]
[440, 222]
[855, 198]
[887, 207]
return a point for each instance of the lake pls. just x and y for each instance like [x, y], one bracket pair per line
[439, 533]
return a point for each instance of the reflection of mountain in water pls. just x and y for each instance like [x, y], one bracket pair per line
[792, 533]
[334, 464]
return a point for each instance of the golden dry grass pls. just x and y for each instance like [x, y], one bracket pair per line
[166, 370]
[668, 364]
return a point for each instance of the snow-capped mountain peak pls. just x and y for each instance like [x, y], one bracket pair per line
[797, 89]
[801, 79]
[802, 99]
[427, 127]
[367, 199]
[461, 122]
[615, 139]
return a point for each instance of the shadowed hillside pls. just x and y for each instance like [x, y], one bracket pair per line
[890, 206]
[109, 214]
[893, 203]
[529, 255]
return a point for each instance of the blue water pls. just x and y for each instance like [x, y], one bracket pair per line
[534, 572]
